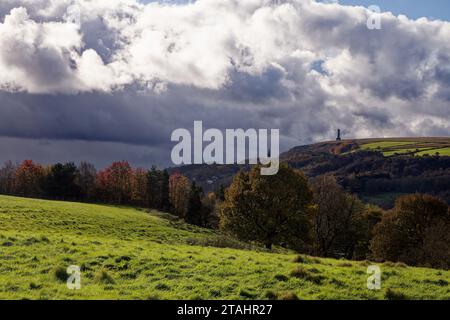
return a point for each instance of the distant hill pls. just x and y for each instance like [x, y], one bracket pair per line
[378, 170]
[387, 146]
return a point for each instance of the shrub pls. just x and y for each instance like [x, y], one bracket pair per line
[302, 273]
[299, 259]
[289, 296]
[247, 294]
[392, 294]
[60, 274]
[345, 265]
[123, 258]
[270, 295]
[103, 277]
[34, 286]
[162, 287]
[281, 277]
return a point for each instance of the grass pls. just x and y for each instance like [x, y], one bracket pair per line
[404, 146]
[385, 144]
[442, 152]
[404, 151]
[127, 253]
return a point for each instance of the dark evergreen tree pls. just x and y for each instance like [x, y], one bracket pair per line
[60, 182]
[196, 212]
[158, 184]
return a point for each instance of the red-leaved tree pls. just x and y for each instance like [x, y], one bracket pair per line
[29, 178]
[115, 183]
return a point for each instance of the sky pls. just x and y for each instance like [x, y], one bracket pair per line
[110, 80]
[433, 9]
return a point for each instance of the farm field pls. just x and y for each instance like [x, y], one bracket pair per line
[412, 146]
[128, 253]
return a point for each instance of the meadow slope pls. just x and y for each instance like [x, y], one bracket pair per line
[127, 253]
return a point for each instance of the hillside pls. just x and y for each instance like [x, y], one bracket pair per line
[423, 146]
[377, 170]
[127, 253]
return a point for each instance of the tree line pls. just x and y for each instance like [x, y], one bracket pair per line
[318, 217]
[313, 216]
[117, 184]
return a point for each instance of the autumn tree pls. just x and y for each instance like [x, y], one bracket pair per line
[416, 232]
[365, 231]
[272, 210]
[337, 219]
[211, 204]
[179, 192]
[140, 187]
[29, 179]
[86, 179]
[115, 183]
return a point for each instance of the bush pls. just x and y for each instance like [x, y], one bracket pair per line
[305, 259]
[270, 295]
[162, 287]
[34, 286]
[60, 274]
[103, 277]
[289, 296]
[281, 277]
[302, 273]
[247, 294]
[392, 294]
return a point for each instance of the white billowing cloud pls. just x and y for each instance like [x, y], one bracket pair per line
[200, 44]
[318, 61]
[48, 57]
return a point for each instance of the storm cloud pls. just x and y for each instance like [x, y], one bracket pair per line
[122, 75]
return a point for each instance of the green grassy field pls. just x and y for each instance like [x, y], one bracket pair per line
[412, 146]
[442, 152]
[125, 253]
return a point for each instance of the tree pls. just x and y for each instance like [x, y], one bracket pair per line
[337, 220]
[115, 183]
[86, 179]
[366, 223]
[221, 193]
[179, 192]
[196, 213]
[60, 182]
[140, 187]
[158, 189]
[272, 210]
[29, 179]
[211, 205]
[416, 232]
[7, 178]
